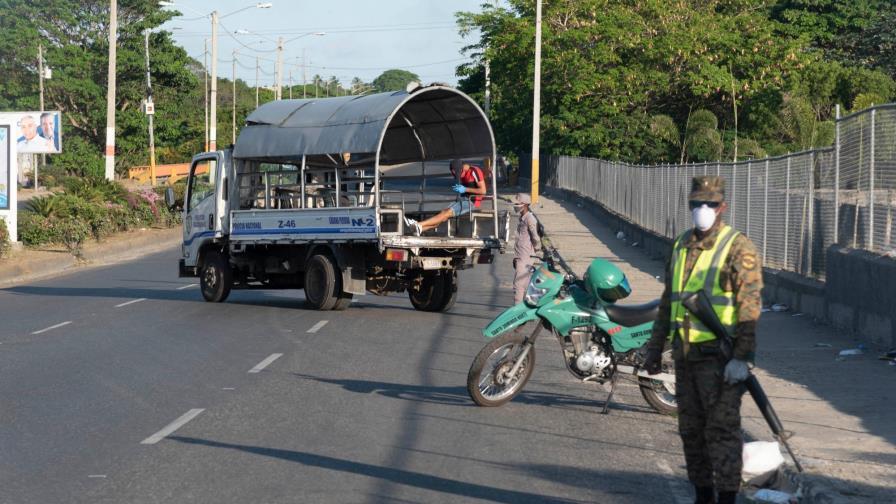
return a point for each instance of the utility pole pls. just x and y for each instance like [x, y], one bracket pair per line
[536, 104]
[213, 121]
[256, 82]
[290, 84]
[40, 70]
[279, 68]
[233, 116]
[205, 90]
[488, 86]
[303, 74]
[110, 92]
[150, 112]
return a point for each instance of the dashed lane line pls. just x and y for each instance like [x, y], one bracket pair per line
[130, 302]
[187, 286]
[265, 363]
[317, 326]
[173, 426]
[57, 326]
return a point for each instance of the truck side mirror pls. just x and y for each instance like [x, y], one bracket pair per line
[169, 197]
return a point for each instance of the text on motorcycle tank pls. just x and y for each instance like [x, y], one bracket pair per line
[614, 330]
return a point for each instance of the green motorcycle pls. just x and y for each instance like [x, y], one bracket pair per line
[601, 341]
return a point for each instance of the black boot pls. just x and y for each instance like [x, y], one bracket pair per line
[705, 495]
[727, 497]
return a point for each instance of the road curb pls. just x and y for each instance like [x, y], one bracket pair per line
[29, 265]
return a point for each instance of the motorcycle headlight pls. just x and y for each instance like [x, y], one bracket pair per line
[534, 294]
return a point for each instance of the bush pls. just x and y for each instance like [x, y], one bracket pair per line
[72, 233]
[36, 230]
[4, 238]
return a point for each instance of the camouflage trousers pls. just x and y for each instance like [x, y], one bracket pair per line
[709, 423]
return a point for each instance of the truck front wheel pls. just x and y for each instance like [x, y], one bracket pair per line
[216, 277]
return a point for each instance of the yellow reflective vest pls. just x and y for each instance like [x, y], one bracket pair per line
[706, 276]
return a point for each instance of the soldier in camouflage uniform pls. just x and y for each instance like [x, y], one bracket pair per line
[708, 389]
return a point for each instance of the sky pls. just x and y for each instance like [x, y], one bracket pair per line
[362, 37]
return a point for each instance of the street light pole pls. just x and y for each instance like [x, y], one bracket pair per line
[536, 104]
[304, 82]
[256, 82]
[205, 90]
[40, 70]
[290, 83]
[279, 68]
[233, 116]
[110, 92]
[213, 126]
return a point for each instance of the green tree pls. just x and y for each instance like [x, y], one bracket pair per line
[75, 39]
[394, 80]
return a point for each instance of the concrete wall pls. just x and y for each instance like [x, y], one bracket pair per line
[858, 296]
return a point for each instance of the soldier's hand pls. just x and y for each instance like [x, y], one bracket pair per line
[654, 360]
[736, 371]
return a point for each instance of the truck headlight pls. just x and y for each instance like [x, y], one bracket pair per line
[534, 294]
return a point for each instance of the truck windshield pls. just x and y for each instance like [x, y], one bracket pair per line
[202, 181]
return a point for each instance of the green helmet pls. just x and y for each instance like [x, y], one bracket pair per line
[605, 280]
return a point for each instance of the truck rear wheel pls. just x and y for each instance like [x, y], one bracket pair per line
[216, 277]
[435, 292]
[323, 284]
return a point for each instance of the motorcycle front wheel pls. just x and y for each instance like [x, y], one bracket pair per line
[489, 382]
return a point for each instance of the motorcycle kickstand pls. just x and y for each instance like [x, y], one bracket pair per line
[610, 397]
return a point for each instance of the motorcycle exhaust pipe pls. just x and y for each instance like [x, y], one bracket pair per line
[663, 377]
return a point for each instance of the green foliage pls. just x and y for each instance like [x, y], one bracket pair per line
[394, 80]
[4, 238]
[36, 230]
[45, 206]
[624, 79]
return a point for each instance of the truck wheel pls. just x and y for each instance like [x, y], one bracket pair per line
[216, 277]
[322, 283]
[430, 296]
[343, 302]
[449, 290]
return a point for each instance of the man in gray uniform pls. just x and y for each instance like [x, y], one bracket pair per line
[528, 243]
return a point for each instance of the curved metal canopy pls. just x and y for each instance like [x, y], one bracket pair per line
[434, 122]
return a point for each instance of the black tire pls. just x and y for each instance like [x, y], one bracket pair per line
[660, 395]
[343, 302]
[215, 277]
[430, 296]
[449, 290]
[323, 284]
[492, 362]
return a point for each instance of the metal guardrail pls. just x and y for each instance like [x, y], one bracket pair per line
[793, 207]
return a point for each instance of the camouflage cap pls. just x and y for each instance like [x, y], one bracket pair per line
[707, 188]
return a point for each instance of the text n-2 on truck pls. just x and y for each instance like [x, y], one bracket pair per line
[314, 196]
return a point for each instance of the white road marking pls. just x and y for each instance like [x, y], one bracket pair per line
[45, 329]
[317, 326]
[96, 475]
[265, 363]
[173, 426]
[228, 388]
[187, 286]
[130, 302]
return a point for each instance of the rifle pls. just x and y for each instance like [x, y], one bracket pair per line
[699, 305]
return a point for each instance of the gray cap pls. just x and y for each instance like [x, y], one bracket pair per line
[522, 199]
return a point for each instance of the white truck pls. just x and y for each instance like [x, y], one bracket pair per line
[314, 196]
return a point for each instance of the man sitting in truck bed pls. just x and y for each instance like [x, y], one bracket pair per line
[472, 181]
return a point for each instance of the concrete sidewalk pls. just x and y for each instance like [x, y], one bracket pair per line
[842, 410]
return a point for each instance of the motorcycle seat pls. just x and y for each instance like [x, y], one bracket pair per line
[632, 315]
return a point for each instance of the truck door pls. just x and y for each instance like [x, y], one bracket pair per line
[204, 204]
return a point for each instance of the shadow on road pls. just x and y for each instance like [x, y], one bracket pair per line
[392, 475]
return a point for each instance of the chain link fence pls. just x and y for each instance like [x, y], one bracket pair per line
[793, 207]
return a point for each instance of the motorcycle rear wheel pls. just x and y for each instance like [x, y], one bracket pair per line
[661, 395]
[487, 381]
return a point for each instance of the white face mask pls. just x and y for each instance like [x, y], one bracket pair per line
[517, 209]
[704, 217]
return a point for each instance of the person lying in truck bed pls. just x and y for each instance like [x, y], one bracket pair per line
[472, 181]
